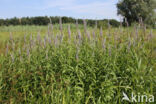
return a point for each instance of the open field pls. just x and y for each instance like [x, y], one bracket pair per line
[69, 65]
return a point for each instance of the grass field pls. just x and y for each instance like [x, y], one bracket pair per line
[45, 65]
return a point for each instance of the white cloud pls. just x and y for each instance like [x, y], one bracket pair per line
[103, 9]
[95, 8]
[58, 3]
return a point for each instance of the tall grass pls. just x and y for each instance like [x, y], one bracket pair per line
[78, 66]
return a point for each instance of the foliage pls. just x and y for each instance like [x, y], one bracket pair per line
[45, 21]
[77, 66]
[138, 10]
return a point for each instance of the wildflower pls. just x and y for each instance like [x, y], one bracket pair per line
[30, 37]
[49, 40]
[60, 22]
[103, 44]
[50, 21]
[56, 41]
[145, 28]
[109, 26]
[50, 26]
[79, 36]
[24, 38]
[61, 38]
[75, 39]
[120, 28]
[101, 32]
[44, 42]
[85, 26]
[94, 34]
[140, 21]
[24, 47]
[95, 24]
[41, 42]
[19, 51]
[7, 49]
[88, 35]
[38, 38]
[120, 22]
[77, 25]
[69, 32]
[129, 45]
[32, 44]
[150, 35]
[11, 37]
[28, 52]
[12, 57]
[31, 41]
[126, 22]
[13, 46]
[136, 32]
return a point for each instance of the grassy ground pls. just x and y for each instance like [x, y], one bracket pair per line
[76, 67]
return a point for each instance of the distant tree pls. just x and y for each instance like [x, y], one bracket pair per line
[136, 10]
[44, 20]
[14, 21]
[114, 23]
[1, 22]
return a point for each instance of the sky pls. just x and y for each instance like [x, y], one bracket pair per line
[85, 9]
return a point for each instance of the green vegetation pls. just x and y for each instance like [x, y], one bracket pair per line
[92, 62]
[138, 11]
[42, 21]
[65, 65]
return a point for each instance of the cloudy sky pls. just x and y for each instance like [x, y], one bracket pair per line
[92, 9]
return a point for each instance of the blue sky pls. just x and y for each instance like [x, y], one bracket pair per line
[92, 9]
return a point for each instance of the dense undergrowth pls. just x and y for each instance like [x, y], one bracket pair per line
[80, 67]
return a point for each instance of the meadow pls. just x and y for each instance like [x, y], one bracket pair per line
[76, 64]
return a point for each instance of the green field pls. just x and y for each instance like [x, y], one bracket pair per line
[45, 65]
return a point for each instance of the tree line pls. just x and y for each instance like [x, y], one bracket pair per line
[44, 20]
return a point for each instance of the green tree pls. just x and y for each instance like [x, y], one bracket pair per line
[136, 10]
